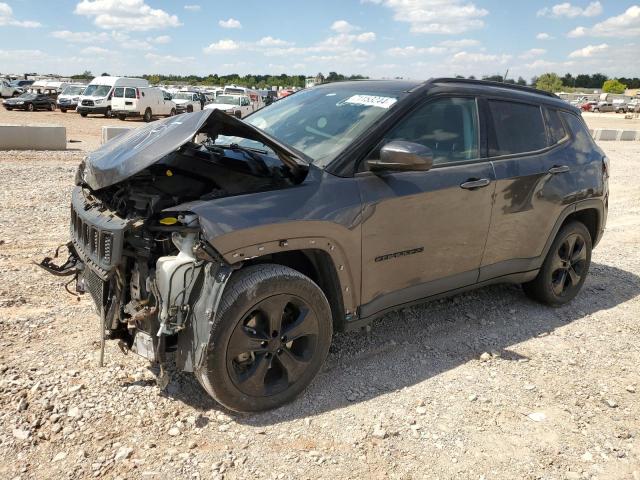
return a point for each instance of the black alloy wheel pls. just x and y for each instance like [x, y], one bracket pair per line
[271, 347]
[269, 338]
[565, 267]
[569, 264]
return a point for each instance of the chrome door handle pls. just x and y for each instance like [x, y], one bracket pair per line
[473, 184]
[558, 169]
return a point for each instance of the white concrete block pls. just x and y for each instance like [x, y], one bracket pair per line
[111, 132]
[33, 137]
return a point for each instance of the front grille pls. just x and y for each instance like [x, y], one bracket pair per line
[96, 287]
[87, 103]
[97, 234]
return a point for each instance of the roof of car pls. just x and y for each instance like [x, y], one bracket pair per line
[388, 87]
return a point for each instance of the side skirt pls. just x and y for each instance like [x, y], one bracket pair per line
[360, 322]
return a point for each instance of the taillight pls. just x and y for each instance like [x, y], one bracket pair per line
[605, 167]
[138, 93]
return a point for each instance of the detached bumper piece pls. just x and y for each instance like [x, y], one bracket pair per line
[71, 267]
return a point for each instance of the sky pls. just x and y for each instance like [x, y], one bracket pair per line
[414, 39]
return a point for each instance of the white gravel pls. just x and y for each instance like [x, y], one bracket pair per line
[484, 385]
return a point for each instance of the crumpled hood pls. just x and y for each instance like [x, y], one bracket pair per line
[140, 148]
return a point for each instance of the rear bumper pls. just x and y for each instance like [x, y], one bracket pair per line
[126, 113]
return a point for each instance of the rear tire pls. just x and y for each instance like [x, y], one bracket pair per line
[564, 269]
[172, 112]
[269, 339]
[83, 114]
[148, 116]
[63, 110]
[122, 117]
[30, 107]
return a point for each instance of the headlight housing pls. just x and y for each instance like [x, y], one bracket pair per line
[20, 103]
[99, 101]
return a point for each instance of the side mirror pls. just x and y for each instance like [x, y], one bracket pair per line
[401, 156]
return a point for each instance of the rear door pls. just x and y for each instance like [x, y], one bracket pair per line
[117, 99]
[424, 233]
[528, 146]
[131, 100]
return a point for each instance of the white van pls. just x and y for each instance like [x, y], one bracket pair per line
[145, 102]
[96, 98]
[68, 99]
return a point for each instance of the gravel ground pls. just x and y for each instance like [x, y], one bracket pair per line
[484, 385]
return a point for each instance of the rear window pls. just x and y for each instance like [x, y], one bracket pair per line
[130, 93]
[118, 92]
[557, 133]
[517, 128]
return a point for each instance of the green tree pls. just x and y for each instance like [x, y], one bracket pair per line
[521, 81]
[613, 86]
[549, 82]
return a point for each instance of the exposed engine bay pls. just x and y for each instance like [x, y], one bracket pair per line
[149, 270]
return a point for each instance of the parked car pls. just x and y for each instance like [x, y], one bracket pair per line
[68, 99]
[240, 246]
[96, 98]
[7, 89]
[603, 107]
[145, 102]
[22, 83]
[30, 101]
[588, 106]
[188, 101]
[237, 105]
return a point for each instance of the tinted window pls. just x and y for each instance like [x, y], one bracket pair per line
[449, 127]
[557, 133]
[130, 93]
[118, 92]
[583, 140]
[517, 128]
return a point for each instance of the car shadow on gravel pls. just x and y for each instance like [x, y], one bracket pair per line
[413, 344]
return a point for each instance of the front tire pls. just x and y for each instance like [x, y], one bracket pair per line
[190, 109]
[564, 269]
[269, 339]
[108, 113]
[172, 112]
[63, 110]
[83, 115]
[148, 116]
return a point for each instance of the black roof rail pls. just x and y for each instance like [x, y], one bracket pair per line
[512, 86]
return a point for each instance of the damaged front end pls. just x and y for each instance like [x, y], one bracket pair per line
[137, 247]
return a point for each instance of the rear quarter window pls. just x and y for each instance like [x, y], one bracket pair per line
[130, 93]
[583, 140]
[557, 132]
[118, 92]
[517, 128]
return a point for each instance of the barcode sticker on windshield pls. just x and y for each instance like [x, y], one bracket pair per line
[371, 101]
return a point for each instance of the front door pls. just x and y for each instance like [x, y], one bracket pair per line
[424, 233]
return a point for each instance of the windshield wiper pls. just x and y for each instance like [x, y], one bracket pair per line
[235, 146]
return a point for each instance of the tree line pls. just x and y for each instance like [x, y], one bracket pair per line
[258, 81]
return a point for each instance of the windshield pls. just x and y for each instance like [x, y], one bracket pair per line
[73, 90]
[228, 99]
[319, 122]
[233, 90]
[97, 91]
[183, 96]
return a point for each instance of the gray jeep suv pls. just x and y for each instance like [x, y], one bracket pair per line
[235, 248]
